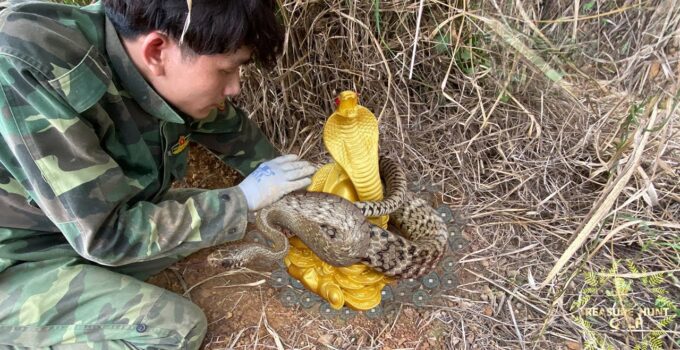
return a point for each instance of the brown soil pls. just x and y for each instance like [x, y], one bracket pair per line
[244, 309]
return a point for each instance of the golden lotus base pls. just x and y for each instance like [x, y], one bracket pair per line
[351, 137]
[356, 286]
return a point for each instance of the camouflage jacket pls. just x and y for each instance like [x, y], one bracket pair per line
[89, 149]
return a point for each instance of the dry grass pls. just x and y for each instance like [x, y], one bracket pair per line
[549, 129]
[554, 131]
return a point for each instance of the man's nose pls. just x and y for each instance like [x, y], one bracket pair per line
[233, 86]
[232, 89]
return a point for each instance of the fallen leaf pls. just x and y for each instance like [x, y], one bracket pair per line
[488, 311]
[654, 70]
[572, 345]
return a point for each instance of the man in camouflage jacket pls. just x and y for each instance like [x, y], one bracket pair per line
[97, 106]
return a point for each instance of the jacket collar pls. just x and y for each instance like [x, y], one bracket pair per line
[133, 81]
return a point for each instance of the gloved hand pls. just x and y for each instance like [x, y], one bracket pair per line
[274, 179]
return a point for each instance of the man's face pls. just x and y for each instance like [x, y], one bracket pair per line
[198, 84]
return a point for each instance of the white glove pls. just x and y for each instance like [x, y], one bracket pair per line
[274, 179]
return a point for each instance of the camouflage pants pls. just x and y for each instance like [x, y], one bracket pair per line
[68, 304]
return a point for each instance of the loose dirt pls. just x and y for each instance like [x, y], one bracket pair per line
[245, 308]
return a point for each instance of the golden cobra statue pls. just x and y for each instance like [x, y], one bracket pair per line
[351, 137]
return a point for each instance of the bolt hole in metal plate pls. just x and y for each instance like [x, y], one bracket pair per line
[404, 291]
[327, 311]
[279, 278]
[288, 297]
[374, 313]
[430, 281]
[420, 298]
[448, 264]
[296, 284]
[457, 243]
[309, 299]
[347, 313]
[449, 281]
[419, 292]
[387, 294]
[445, 213]
[410, 283]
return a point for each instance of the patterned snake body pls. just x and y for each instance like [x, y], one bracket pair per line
[338, 232]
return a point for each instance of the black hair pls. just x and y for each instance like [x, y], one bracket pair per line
[217, 26]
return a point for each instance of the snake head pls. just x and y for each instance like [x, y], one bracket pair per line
[224, 259]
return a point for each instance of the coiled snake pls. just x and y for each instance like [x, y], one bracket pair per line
[339, 233]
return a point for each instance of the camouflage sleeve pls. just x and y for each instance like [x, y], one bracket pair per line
[236, 139]
[56, 156]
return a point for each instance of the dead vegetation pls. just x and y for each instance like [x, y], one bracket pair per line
[552, 126]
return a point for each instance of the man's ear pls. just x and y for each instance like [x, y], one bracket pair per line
[156, 50]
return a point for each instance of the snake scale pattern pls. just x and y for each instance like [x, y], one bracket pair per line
[338, 232]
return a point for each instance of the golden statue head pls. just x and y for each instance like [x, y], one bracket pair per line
[346, 101]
